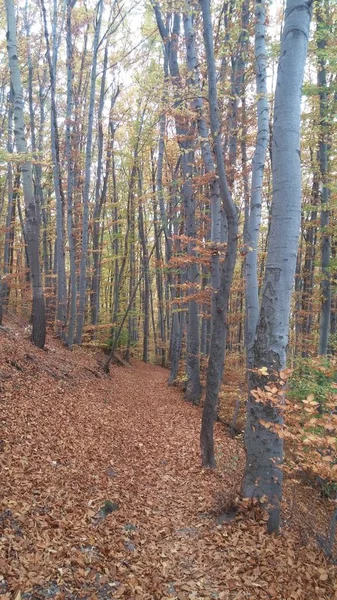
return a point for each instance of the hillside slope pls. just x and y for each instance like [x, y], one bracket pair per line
[102, 494]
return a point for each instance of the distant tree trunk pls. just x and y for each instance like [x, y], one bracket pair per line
[118, 270]
[145, 270]
[61, 310]
[100, 194]
[207, 154]
[132, 329]
[185, 133]
[238, 61]
[264, 445]
[177, 315]
[32, 220]
[220, 299]
[10, 217]
[252, 226]
[160, 347]
[169, 288]
[70, 178]
[310, 236]
[87, 177]
[322, 22]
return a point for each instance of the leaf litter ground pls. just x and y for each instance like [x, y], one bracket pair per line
[103, 496]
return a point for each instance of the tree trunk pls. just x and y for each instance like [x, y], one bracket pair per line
[160, 347]
[185, 133]
[252, 227]
[61, 308]
[9, 235]
[220, 298]
[87, 177]
[31, 220]
[322, 21]
[70, 179]
[145, 270]
[264, 443]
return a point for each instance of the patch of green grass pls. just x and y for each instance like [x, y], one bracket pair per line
[313, 376]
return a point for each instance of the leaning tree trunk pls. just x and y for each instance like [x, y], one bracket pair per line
[220, 299]
[252, 227]
[32, 220]
[264, 444]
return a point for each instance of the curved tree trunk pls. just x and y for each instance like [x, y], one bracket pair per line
[264, 444]
[220, 299]
[252, 228]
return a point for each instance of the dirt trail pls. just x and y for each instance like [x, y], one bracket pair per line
[73, 442]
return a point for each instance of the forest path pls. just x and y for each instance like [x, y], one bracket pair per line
[73, 441]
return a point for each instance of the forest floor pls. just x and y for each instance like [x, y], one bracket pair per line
[103, 495]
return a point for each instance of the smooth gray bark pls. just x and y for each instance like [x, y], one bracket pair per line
[4, 285]
[87, 177]
[263, 437]
[238, 67]
[206, 150]
[70, 179]
[159, 345]
[31, 216]
[310, 236]
[252, 228]
[61, 308]
[220, 299]
[101, 187]
[145, 271]
[322, 23]
[175, 318]
[185, 132]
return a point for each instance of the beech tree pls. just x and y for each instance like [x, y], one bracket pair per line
[221, 296]
[185, 131]
[253, 218]
[263, 438]
[322, 15]
[31, 225]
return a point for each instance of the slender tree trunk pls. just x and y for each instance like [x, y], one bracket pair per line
[87, 176]
[4, 285]
[70, 178]
[252, 228]
[132, 335]
[264, 443]
[161, 346]
[99, 199]
[220, 299]
[238, 61]
[310, 235]
[185, 133]
[322, 20]
[31, 220]
[146, 272]
[61, 307]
